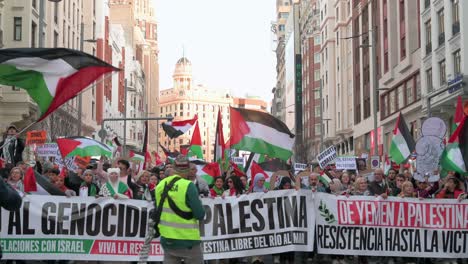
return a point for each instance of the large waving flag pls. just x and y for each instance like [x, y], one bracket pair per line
[402, 142]
[260, 132]
[174, 129]
[83, 147]
[455, 155]
[51, 76]
[196, 144]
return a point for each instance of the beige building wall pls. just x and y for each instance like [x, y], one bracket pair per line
[328, 71]
[343, 67]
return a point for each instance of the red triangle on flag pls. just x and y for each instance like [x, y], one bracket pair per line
[30, 184]
[67, 145]
[212, 169]
[239, 123]
[235, 170]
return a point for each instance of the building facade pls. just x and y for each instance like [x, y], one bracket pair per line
[140, 31]
[400, 81]
[310, 50]
[444, 58]
[185, 100]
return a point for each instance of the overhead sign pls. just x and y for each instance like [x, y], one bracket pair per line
[326, 156]
[345, 163]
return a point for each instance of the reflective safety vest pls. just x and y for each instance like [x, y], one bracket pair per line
[171, 225]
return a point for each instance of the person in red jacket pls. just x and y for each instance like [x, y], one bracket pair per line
[451, 190]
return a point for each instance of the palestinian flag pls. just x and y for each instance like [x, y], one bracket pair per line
[459, 114]
[174, 129]
[83, 147]
[35, 183]
[136, 157]
[220, 147]
[255, 169]
[157, 158]
[209, 171]
[402, 142]
[387, 165]
[324, 178]
[196, 144]
[260, 132]
[51, 76]
[236, 170]
[455, 155]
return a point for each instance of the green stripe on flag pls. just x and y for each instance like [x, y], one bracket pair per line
[94, 150]
[32, 81]
[399, 150]
[452, 159]
[260, 146]
[195, 150]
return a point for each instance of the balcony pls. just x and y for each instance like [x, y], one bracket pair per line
[441, 39]
[455, 28]
[428, 48]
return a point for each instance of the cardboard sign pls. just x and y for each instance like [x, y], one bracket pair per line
[326, 156]
[375, 162]
[36, 137]
[346, 163]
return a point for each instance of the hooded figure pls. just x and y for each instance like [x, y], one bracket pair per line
[259, 183]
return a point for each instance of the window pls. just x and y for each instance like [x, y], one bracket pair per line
[392, 101]
[455, 17]
[402, 30]
[17, 28]
[317, 129]
[93, 110]
[317, 75]
[401, 97]
[427, 29]
[442, 73]
[457, 63]
[317, 60]
[409, 92]
[429, 80]
[317, 40]
[33, 34]
[281, 28]
[418, 87]
[56, 36]
[317, 111]
[441, 27]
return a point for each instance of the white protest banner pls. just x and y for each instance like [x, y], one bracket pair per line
[47, 150]
[345, 163]
[409, 227]
[326, 156]
[105, 229]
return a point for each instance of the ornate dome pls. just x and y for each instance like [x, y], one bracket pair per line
[183, 60]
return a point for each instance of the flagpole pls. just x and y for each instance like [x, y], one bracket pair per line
[249, 161]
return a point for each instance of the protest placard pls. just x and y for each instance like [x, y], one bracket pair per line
[298, 167]
[326, 156]
[345, 163]
[36, 137]
[239, 161]
[365, 225]
[47, 150]
[82, 162]
[105, 229]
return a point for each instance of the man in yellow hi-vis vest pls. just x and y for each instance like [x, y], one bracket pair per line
[181, 210]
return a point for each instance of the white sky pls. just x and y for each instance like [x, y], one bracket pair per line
[229, 43]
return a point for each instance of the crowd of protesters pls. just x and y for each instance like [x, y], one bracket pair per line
[120, 179]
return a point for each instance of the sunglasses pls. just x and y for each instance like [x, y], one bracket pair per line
[230, 181]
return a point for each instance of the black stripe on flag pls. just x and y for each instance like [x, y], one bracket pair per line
[264, 119]
[406, 134]
[171, 131]
[77, 59]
